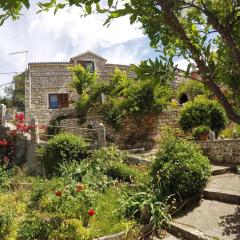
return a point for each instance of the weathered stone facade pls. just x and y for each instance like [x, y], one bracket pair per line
[54, 78]
[222, 150]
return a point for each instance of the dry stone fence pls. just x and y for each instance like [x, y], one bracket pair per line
[222, 150]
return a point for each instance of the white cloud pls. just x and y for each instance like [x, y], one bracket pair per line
[58, 38]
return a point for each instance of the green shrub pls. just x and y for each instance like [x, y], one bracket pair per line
[33, 228]
[5, 224]
[230, 132]
[123, 95]
[180, 168]
[103, 158]
[5, 178]
[122, 172]
[113, 112]
[92, 171]
[202, 111]
[64, 147]
[192, 88]
[71, 229]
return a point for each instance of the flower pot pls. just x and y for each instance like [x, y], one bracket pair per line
[203, 137]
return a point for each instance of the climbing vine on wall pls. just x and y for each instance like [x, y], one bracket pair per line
[123, 96]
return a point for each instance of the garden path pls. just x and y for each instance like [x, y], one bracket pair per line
[218, 215]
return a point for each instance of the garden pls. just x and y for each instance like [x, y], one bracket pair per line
[85, 194]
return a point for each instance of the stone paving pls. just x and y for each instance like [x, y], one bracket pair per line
[218, 215]
[217, 220]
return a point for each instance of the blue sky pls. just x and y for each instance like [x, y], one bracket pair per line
[57, 38]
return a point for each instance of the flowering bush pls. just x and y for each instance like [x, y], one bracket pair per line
[8, 145]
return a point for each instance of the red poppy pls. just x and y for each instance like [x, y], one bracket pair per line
[79, 187]
[91, 212]
[58, 193]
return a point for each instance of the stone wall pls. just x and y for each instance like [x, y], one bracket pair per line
[146, 130]
[222, 150]
[143, 131]
[73, 126]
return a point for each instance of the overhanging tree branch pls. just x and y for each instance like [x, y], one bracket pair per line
[173, 22]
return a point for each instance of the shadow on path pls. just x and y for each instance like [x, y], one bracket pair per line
[231, 224]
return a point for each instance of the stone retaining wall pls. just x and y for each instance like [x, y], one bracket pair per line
[73, 126]
[143, 131]
[222, 151]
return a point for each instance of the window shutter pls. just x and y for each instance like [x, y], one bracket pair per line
[63, 100]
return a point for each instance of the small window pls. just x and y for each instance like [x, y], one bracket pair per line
[88, 65]
[58, 100]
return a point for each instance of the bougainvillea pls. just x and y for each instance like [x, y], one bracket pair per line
[20, 127]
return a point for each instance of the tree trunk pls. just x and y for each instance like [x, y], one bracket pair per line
[172, 20]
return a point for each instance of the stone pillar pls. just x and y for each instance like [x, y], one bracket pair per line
[2, 115]
[33, 165]
[101, 135]
[34, 131]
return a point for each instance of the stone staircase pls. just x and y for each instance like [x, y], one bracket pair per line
[218, 215]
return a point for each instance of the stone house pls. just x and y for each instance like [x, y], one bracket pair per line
[47, 91]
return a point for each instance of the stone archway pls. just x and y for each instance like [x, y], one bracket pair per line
[183, 98]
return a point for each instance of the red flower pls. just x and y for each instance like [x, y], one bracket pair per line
[58, 193]
[91, 212]
[19, 117]
[4, 142]
[79, 187]
[13, 133]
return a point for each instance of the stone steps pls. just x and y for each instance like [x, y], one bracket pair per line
[223, 169]
[227, 196]
[218, 215]
[211, 220]
[223, 188]
[187, 232]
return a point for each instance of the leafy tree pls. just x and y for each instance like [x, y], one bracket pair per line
[206, 31]
[16, 94]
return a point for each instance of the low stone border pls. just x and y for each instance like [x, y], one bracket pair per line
[188, 232]
[138, 160]
[117, 236]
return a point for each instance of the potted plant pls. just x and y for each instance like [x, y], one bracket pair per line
[201, 133]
